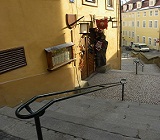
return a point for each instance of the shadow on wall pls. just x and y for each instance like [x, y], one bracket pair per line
[115, 60]
[36, 25]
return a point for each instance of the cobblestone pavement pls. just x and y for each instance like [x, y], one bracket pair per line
[143, 87]
[129, 65]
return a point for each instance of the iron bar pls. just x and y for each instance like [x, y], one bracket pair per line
[38, 128]
[138, 62]
[123, 81]
[36, 115]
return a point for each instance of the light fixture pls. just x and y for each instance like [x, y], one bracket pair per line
[84, 28]
[114, 24]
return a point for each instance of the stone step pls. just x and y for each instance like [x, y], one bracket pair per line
[88, 118]
[112, 124]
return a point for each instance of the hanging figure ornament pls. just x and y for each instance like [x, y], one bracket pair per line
[98, 45]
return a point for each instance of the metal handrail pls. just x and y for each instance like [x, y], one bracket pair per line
[36, 114]
[138, 62]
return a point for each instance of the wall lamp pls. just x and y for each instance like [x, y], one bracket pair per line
[114, 22]
[84, 28]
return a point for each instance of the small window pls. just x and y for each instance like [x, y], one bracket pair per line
[150, 13]
[149, 41]
[124, 7]
[155, 24]
[123, 32]
[130, 6]
[123, 23]
[138, 24]
[152, 2]
[137, 38]
[129, 33]
[150, 24]
[156, 13]
[139, 4]
[109, 4]
[132, 34]
[154, 41]
[132, 23]
[144, 39]
[144, 23]
[144, 14]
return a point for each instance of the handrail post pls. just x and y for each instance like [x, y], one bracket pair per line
[142, 67]
[123, 81]
[137, 63]
[38, 128]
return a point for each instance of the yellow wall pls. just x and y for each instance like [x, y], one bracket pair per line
[40, 24]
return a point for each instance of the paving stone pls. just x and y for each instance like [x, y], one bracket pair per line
[81, 131]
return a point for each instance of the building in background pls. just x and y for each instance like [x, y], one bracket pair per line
[141, 22]
[41, 51]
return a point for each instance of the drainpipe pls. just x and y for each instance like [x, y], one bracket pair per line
[120, 34]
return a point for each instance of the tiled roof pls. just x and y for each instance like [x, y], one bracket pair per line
[145, 3]
[132, 1]
[157, 3]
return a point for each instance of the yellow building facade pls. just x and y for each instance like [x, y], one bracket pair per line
[40, 24]
[141, 23]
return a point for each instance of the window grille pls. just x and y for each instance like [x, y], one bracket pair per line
[11, 59]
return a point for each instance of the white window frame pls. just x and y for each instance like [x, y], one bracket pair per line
[137, 38]
[129, 33]
[123, 33]
[143, 23]
[152, 2]
[110, 5]
[144, 13]
[139, 4]
[143, 39]
[130, 6]
[132, 23]
[150, 24]
[156, 12]
[124, 7]
[155, 25]
[123, 23]
[149, 41]
[132, 34]
[150, 13]
[154, 41]
[138, 24]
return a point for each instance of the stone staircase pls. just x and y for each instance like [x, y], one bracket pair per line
[87, 118]
[100, 115]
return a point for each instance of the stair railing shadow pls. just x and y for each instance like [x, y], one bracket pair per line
[38, 113]
[138, 63]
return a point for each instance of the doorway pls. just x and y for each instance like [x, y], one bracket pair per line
[88, 58]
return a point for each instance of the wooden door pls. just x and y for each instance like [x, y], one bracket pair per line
[88, 59]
